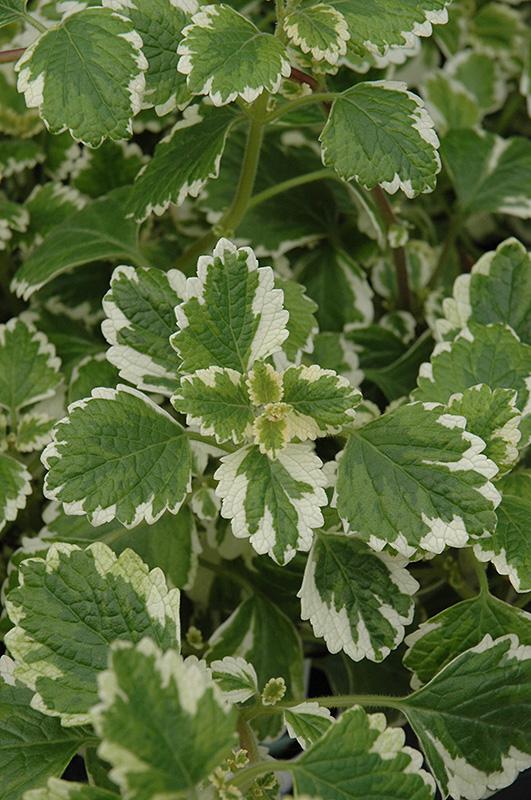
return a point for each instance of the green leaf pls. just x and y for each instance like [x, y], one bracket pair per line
[17, 155]
[32, 746]
[67, 790]
[509, 547]
[263, 635]
[489, 174]
[301, 325]
[160, 24]
[13, 217]
[320, 30]
[29, 368]
[490, 354]
[97, 231]
[358, 600]
[216, 401]
[471, 718]
[89, 373]
[49, 204]
[378, 133]
[145, 692]
[112, 165]
[15, 486]
[334, 351]
[325, 266]
[321, 402]
[225, 56]
[443, 637]
[68, 609]
[232, 314]
[416, 480]
[421, 261]
[450, 104]
[482, 76]
[274, 503]
[264, 384]
[118, 455]
[359, 757]
[492, 415]
[498, 289]
[183, 161]
[140, 320]
[15, 118]
[86, 75]
[379, 31]
[236, 678]
[307, 722]
[12, 11]
[33, 432]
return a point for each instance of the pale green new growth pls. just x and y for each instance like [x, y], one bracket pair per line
[236, 678]
[307, 722]
[69, 608]
[320, 30]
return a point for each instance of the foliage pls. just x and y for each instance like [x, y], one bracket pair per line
[265, 399]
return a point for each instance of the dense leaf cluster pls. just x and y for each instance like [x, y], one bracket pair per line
[265, 399]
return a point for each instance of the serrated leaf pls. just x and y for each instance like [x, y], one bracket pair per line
[118, 455]
[490, 354]
[13, 217]
[358, 600]
[33, 432]
[448, 634]
[359, 757]
[302, 324]
[360, 142]
[481, 76]
[264, 384]
[236, 678]
[29, 368]
[15, 486]
[320, 30]
[493, 416]
[321, 402]
[509, 547]
[307, 722]
[160, 24]
[326, 266]
[96, 232]
[333, 351]
[263, 635]
[225, 56]
[12, 11]
[489, 174]
[498, 289]
[381, 31]
[471, 718]
[416, 480]
[68, 609]
[32, 746]
[17, 155]
[15, 118]
[183, 161]
[232, 314]
[216, 400]
[86, 75]
[146, 691]
[68, 790]
[89, 373]
[449, 103]
[48, 205]
[110, 166]
[140, 320]
[274, 503]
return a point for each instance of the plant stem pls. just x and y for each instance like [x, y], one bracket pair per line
[246, 777]
[398, 253]
[227, 572]
[7, 56]
[248, 739]
[328, 701]
[35, 23]
[299, 102]
[285, 186]
[198, 437]
[299, 76]
[236, 212]
[522, 600]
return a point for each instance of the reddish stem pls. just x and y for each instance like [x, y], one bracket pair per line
[6, 56]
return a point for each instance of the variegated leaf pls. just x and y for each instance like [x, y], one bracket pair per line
[15, 486]
[236, 678]
[307, 722]
[320, 30]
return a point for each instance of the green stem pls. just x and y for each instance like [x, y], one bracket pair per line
[398, 253]
[236, 212]
[300, 102]
[522, 600]
[280, 13]
[285, 186]
[245, 778]
[248, 740]
[328, 701]
[35, 23]
[198, 437]
[226, 572]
